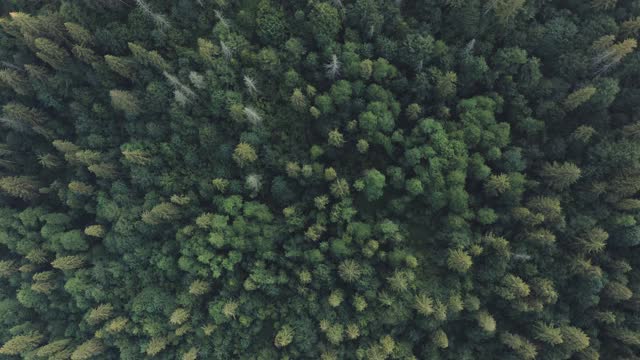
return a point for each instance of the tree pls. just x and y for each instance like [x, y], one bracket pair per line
[70, 262]
[88, 349]
[440, 339]
[298, 100]
[335, 138]
[506, 10]
[53, 348]
[23, 119]
[349, 270]
[244, 154]
[161, 213]
[560, 176]
[486, 322]
[51, 53]
[15, 81]
[21, 187]
[284, 337]
[548, 333]
[271, 23]
[78, 33]
[458, 260]
[95, 231]
[325, 22]
[100, 314]
[156, 345]
[519, 345]
[121, 66]
[604, 4]
[579, 97]
[574, 339]
[497, 184]
[340, 188]
[423, 304]
[21, 344]
[124, 101]
[374, 184]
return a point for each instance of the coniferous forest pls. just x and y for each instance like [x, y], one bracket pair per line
[318, 179]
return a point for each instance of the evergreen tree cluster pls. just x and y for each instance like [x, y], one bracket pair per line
[319, 179]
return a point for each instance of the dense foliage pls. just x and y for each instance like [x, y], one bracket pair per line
[305, 179]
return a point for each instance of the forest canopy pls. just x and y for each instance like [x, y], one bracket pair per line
[319, 179]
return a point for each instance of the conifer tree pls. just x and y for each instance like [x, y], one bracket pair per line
[244, 154]
[21, 344]
[51, 53]
[70, 262]
[124, 101]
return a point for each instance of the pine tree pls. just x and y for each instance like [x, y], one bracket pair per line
[121, 66]
[103, 170]
[298, 100]
[594, 240]
[579, 97]
[145, 57]
[156, 345]
[7, 268]
[51, 53]
[486, 322]
[349, 270]
[161, 213]
[610, 54]
[506, 10]
[340, 188]
[192, 354]
[423, 304]
[23, 119]
[37, 256]
[399, 281]
[118, 324]
[547, 333]
[604, 4]
[20, 344]
[583, 133]
[284, 337]
[88, 349]
[440, 339]
[22, 187]
[99, 314]
[574, 339]
[95, 231]
[137, 157]
[84, 54]
[230, 308]
[15, 81]
[617, 291]
[458, 260]
[52, 348]
[519, 345]
[335, 298]
[179, 316]
[80, 188]
[244, 154]
[124, 101]
[335, 138]
[497, 184]
[560, 176]
[335, 334]
[43, 287]
[631, 27]
[78, 33]
[513, 287]
[198, 287]
[70, 262]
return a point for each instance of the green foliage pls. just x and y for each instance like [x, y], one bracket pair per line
[327, 179]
